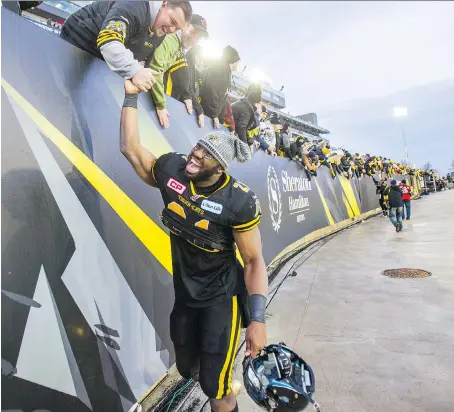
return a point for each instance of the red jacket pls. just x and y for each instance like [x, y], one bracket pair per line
[406, 191]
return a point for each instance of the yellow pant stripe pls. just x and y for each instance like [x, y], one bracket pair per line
[231, 351]
[237, 341]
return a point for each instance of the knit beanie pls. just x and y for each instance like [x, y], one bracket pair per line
[225, 147]
[230, 55]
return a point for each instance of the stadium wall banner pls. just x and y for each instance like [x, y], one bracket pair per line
[86, 268]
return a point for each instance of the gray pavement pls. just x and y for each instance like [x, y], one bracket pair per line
[375, 343]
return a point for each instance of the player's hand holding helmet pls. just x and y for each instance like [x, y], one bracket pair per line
[279, 380]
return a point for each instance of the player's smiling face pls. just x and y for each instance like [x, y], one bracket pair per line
[201, 164]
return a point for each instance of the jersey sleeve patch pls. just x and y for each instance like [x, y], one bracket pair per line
[249, 216]
[115, 30]
[121, 22]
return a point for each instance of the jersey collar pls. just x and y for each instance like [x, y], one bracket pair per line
[194, 192]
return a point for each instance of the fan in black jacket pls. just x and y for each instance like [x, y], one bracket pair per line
[216, 80]
[394, 195]
[244, 114]
[395, 205]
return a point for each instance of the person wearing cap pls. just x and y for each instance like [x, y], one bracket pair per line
[209, 215]
[126, 33]
[168, 57]
[216, 80]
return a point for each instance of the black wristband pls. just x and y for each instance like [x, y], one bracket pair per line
[257, 305]
[131, 100]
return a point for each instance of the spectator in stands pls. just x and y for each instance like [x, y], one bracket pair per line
[346, 160]
[395, 205]
[297, 148]
[369, 165]
[324, 158]
[182, 82]
[275, 122]
[126, 33]
[406, 199]
[216, 80]
[170, 55]
[267, 139]
[229, 120]
[244, 112]
[310, 162]
[359, 165]
[286, 136]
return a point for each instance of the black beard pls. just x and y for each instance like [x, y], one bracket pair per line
[204, 175]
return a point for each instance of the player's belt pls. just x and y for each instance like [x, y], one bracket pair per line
[208, 241]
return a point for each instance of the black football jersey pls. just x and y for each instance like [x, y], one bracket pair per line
[205, 276]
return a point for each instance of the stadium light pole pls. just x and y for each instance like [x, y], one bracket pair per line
[402, 112]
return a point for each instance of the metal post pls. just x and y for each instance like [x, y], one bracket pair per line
[405, 144]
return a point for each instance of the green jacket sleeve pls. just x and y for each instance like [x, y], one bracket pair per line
[161, 60]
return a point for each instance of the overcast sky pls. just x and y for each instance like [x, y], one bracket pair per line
[329, 53]
[325, 52]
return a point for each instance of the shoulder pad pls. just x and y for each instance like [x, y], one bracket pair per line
[241, 186]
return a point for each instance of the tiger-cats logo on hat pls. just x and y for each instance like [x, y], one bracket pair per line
[213, 139]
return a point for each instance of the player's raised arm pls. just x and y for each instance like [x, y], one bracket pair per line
[141, 159]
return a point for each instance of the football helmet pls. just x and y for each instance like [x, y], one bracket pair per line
[279, 380]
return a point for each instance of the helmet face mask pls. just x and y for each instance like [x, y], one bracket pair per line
[279, 379]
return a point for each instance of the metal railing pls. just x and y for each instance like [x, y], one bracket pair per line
[43, 26]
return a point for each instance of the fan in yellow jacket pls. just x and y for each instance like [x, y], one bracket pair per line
[173, 46]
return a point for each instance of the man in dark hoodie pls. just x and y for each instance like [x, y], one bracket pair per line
[216, 80]
[395, 205]
[244, 113]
